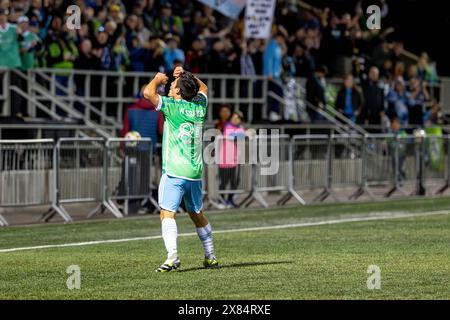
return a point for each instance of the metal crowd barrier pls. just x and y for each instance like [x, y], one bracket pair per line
[346, 159]
[25, 173]
[310, 155]
[78, 174]
[278, 182]
[75, 170]
[78, 170]
[379, 162]
[128, 173]
[437, 162]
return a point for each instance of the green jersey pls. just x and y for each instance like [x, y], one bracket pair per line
[182, 137]
[9, 47]
[28, 58]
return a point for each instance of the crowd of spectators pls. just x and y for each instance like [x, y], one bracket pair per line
[151, 36]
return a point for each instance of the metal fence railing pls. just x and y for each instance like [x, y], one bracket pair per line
[119, 172]
[74, 171]
[128, 173]
[105, 94]
[26, 168]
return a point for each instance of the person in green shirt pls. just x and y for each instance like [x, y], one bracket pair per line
[28, 45]
[9, 42]
[184, 111]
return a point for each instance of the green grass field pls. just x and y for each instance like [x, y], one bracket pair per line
[326, 261]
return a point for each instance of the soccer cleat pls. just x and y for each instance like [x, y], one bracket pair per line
[211, 262]
[169, 265]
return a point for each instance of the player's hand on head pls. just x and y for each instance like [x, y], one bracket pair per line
[178, 72]
[161, 78]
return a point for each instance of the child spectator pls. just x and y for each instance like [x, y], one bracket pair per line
[233, 131]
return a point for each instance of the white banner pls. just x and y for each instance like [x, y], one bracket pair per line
[258, 18]
[229, 8]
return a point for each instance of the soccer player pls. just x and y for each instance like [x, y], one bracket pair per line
[184, 114]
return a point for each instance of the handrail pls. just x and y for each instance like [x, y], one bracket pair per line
[149, 75]
[26, 141]
[280, 100]
[77, 98]
[35, 102]
[63, 106]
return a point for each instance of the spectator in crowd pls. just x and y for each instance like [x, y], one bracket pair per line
[304, 64]
[138, 35]
[247, 66]
[131, 24]
[168, 23]
[172, 53]
[256, 50]
[29, 44]
[102, 51]
[224, 117]
[382, 53]
[425, 71]
[217, 59]
[433, 116]
[398, 149]
[373, 93]
[349, 99]
[195, 57]
[138, 55]
[38, 18]
[86, 60]
[228, 167]
[272, 64]
[418, 96]
[9, 42]
[398, 102]
[315, 92]
[156, 61]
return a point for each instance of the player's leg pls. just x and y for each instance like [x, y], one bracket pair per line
[194, 206]
[170, 193]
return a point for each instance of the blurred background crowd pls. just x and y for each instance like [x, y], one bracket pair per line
[381, 80]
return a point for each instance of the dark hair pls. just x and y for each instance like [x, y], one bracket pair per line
[322, 68]
[225, 106]
[188, 86]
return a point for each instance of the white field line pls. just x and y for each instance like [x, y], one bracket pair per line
[377, 216]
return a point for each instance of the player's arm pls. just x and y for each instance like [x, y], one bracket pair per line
[150, 91]
[203, 88]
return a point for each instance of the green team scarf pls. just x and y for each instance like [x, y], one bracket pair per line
[435, 148]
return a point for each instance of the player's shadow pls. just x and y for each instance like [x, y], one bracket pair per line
[238, 265]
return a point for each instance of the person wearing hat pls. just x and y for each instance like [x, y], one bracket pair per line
[28, 45]
[9, 42]
[229, 155]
